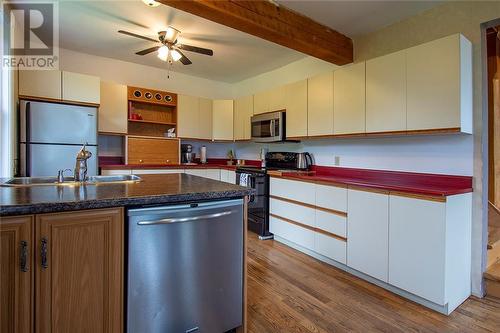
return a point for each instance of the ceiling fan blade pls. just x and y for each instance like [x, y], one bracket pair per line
[138, 36]
[196, 49]
[147, 51]
[185, 60]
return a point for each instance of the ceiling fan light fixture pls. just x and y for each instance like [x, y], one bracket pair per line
[151, 3]
[175, 55]
[163, 53]
[171, 34]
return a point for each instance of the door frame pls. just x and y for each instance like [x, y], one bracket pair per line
[485, 143]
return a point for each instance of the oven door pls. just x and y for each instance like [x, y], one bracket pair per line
[257, 204]
[268, 127]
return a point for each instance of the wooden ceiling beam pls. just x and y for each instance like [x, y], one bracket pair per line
[276, 24]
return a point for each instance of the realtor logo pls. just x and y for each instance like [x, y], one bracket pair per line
[30, 35]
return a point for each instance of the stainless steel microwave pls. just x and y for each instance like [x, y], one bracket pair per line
[268, 127]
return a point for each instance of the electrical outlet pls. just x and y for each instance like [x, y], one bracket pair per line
[336, 160]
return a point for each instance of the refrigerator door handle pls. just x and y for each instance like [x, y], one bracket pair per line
[28, 139]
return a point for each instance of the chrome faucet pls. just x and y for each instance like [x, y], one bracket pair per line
[81, 164]
[60, 175]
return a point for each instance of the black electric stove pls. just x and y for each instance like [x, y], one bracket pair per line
[258, 179]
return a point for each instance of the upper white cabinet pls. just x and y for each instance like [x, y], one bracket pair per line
[349, 101]
[430, 248]
[44, 84]
[81, 88]
[368, 233]
[113, 108]
[261, 102]
[222, 122]
[57, 85]
[320, 105]
[188, 116]
[296, 109]
[277, 98]
[386, 93]
[205, 115]
[243, 111]
[439, 84]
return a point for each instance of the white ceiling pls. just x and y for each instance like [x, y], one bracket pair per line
[356, 17]
[91, 27]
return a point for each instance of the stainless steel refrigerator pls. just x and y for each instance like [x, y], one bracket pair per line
[51, 135]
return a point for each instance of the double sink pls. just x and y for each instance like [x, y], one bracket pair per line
[92, 180]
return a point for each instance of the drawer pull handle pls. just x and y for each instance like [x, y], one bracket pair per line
[23, 259]
[185, 219]
[43, 253]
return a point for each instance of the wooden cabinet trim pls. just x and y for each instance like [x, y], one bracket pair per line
[23, 295]
[305, 226]
[328, 210]
[418, 196]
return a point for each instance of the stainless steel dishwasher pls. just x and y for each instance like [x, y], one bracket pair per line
[185, 268]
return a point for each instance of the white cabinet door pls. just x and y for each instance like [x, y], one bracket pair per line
[320, 105]
[331, 197]
[330, 247]
[277, 99]
[231, 177]
[386, 93]
[113, 108]
[296, 109]
[417, 245]
[46, 84]
[439, 84]
[205, 119]
[222, 123]
[243, 111]
[261, 102]
[349, 101]
[81, 88]
[298, 213]
[213, 174]
[188, 116]
[368, 232]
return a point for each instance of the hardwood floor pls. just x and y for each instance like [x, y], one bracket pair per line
[291, 292]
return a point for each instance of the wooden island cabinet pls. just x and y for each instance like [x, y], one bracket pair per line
[71, 263]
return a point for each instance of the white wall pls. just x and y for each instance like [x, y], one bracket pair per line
[142, 76]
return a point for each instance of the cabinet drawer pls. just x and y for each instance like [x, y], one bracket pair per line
[331, 197]
[297, 213]
[330, 222]
[291, 232]
[330, 247]
[152, 151]
[197, 172]
[294, 190]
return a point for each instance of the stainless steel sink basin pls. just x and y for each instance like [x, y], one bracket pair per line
[92, 180]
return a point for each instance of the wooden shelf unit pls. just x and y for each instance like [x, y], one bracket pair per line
[157, 109]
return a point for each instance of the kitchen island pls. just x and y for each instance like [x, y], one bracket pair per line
[65, 247]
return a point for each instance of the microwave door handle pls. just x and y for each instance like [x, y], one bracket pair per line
[272, 123]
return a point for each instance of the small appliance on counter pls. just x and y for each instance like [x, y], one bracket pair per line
[187, 155]
[258, 179]
[203, 155]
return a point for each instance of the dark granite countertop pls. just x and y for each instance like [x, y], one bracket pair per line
[151, 190]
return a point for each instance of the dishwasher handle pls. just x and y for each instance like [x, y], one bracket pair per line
[185, 219]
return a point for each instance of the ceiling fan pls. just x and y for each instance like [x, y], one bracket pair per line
[169, 49]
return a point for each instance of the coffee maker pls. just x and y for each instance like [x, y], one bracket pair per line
[187, 155]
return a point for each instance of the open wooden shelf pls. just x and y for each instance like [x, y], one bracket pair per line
[152, 122]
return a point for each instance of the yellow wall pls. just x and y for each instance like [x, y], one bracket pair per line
[440, 21]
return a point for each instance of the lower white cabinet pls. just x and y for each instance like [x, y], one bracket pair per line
[227, 176]
[330, 247]
[213, 174]
[429, 248]
[291, 232]
[368, 233]
[197, 172]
